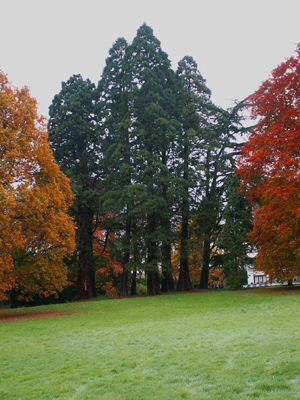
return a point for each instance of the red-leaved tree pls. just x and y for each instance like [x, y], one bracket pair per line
[269, 169]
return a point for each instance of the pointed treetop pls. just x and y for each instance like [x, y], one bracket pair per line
[191, 77]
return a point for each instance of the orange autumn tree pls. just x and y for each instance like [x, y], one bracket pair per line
[269, 169]
[36, 233]
[107, 260]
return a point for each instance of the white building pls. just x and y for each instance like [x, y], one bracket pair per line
[258, 279]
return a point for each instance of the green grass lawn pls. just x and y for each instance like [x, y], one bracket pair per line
[209, 345]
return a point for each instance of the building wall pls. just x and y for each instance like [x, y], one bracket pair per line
[258, 278]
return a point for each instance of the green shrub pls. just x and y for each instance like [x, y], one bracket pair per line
[141, 288]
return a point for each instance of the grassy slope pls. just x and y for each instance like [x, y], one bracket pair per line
[213, 345]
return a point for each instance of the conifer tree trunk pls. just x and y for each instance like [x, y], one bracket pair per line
[153, 283]
[152, 270]
[133, 291]
[84, 284]
[84, 290]
[167, 283]
[205, 266]
[124, 281]
[184, 282]
[92, 269]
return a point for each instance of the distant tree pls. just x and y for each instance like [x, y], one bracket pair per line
[269, 171]
[36, 233]
[234, 239]
[76, 147]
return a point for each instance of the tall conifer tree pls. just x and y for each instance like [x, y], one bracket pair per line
[218, 155]
[193, 102]
[76, 148]
[152, 132]
[114, 113]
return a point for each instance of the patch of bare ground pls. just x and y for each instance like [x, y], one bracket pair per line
[10, 316]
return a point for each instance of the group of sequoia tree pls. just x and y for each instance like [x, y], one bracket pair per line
[140, 171]
[151, 162]
[142, 165]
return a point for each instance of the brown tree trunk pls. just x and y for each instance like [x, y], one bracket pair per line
[205, 266]
[153, 284]
[133, 291]
[124, 281]
[84, 289]
[152, 270]
[84, 284]
[167, 282]
[133, 283]
[184, 282]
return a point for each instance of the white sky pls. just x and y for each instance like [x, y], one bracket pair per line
[236, 43]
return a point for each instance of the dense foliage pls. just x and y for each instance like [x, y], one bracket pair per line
[36, 233]
[269, 171]
[234, 242]
[75, 145]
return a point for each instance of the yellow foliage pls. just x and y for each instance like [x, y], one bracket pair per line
[195, 262]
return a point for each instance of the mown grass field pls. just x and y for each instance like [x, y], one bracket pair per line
[207, 345]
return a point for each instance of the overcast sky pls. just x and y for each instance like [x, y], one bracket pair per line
[236, 43]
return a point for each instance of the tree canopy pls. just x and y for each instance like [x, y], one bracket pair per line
[76, 148]
[36, 232]
[269, 170]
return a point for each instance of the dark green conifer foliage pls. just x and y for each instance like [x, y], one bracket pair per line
[152, 132]
[112, 103]
[113, 108]
[219, 149]
[75, 145]
[193, 105]
[234, 237]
